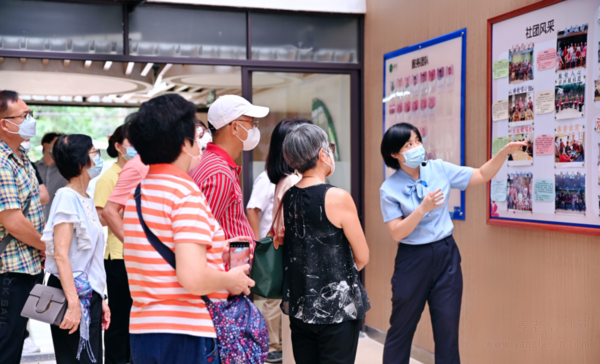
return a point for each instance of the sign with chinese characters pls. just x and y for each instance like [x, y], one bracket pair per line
[539, 29]
[420, 62]
[564, 78]
[553, 92]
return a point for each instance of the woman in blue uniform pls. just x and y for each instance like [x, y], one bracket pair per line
[427, 269]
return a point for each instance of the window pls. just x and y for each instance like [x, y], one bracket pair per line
[304, 38]
[61, 27]
[183, 32]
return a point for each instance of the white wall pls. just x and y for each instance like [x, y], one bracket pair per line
[327, 6]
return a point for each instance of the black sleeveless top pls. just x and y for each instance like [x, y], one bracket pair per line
[320, 279]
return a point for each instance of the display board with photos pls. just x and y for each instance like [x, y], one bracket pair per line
[540, 62]
[424, 85]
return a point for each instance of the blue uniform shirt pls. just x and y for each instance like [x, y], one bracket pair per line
[400, 195]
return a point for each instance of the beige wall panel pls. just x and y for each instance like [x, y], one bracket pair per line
[525, 287]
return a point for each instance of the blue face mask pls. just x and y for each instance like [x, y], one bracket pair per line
[26, 128]
[414, 157]
[97, 168]
[131, 153]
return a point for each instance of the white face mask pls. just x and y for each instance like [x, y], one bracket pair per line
[195, 159]
[27, 145]
[332, 171]
[27, 128]
[252, 139]
[206, 138]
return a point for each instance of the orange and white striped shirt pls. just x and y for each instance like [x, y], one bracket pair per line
[177, 212]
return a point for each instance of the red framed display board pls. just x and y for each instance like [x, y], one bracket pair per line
[544, 89]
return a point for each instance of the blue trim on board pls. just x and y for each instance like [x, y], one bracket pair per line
[457, 214]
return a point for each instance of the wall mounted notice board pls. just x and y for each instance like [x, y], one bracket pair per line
[544, 90]
[424, 85]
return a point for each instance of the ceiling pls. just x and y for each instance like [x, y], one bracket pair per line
[67, 82]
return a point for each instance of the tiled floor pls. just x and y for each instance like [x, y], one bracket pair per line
[369, 351]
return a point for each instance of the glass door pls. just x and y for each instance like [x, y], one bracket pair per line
[323, 98]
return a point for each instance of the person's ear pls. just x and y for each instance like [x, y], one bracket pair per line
[3, 125]
[399, 156]
[118, 147]
[233, 127]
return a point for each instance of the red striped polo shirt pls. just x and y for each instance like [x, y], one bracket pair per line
[218, 177]
[176, 211]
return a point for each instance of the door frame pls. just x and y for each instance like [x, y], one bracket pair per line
[356, 132]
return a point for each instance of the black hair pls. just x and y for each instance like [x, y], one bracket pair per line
[7, 96]
[276, 166]
[212, 129]
[394, 139]
[160, 128]
[116, 137]
[71, 154]
[49, 137]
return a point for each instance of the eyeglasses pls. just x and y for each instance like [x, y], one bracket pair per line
[96, 152]
[30, 113]
[254, 122]
[200, 132]
[332, 147]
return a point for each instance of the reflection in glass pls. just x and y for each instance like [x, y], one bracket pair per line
[304, 38]
[192, 33]
[61, 27]
[322, 98]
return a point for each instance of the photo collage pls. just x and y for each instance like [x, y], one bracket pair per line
[524, 155]
[568, 107]
[421, 97]
[519, 191]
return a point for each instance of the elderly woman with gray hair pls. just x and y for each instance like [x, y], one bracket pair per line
[324, 248]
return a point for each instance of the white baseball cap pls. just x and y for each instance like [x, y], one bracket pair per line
[227, 108]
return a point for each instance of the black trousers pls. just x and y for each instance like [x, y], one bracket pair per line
[14, 291]
[65, 345]
[425, 273]
[116, 338]
[324, 344]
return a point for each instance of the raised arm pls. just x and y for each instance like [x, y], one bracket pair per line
[490, 168]
[194, 274]
[402, 227]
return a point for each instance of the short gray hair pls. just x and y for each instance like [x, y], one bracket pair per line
[302, 146]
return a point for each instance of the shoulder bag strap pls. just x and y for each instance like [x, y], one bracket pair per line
[8, 237]
[275, 218]
[160, 247]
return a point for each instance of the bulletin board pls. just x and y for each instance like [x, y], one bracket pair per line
[544, 90]
[424, 85]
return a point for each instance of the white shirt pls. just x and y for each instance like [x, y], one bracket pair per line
[86, 252]
[263, 193]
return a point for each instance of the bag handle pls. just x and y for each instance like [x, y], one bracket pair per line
[275, 218]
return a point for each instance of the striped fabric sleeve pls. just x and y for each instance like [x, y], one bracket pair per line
[190, 221]
[220, 194]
